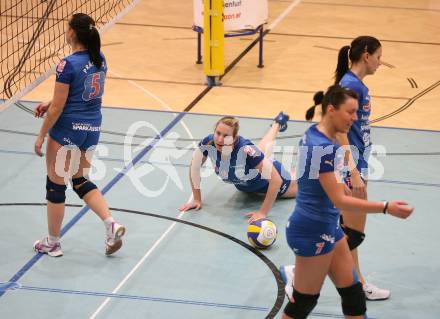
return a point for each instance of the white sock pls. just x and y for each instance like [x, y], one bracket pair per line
[53, 239]
[108, 222]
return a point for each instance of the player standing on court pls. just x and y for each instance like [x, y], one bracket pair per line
[313, 231]
[73, 121]
[355, 62]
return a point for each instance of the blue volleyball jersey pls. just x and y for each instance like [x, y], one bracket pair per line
[86, 86]
[238, 168]
[317, 154]
[359, 134]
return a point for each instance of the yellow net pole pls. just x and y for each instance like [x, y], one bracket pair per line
[213, 40]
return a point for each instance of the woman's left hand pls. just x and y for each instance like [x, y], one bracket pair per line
[253, 216]
[38, 145]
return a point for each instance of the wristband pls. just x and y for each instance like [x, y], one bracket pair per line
[385, 207]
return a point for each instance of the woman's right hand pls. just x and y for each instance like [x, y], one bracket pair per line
[358, 185]
[38, 145]
[195, 204]
[399, 209]
[41, 109]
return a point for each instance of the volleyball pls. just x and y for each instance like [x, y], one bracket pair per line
[262, 233]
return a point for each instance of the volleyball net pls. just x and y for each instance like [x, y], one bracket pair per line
[32, 38]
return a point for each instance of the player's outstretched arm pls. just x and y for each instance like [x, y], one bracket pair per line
[267, 170]
[335, 191]
[194, 177]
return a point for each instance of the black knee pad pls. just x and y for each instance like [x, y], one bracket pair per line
[85, 186]
[353, 300]
[302, 305]
[354, 237]
[55, 193]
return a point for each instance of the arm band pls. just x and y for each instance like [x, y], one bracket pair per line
[385, 207]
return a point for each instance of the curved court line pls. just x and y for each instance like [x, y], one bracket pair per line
[382, 62]
[106, 188]
[179, 217]
[407, 104]
[280, 295]
[178, 116]
[273, 312]
[136, 267]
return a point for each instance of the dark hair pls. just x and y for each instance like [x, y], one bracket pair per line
[335, 95]
[354, 52]
[88, 35]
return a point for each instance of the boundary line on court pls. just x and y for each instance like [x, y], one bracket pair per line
[280, 285]
[247, 117]
[115, 179]
[273, 268]
[113, 159]
[104, 190]
[137, 297]
[259, 118]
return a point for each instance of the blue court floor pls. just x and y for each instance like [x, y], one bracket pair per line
[198, 264]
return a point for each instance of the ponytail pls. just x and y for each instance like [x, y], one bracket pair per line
[87, 34]
[353, 53]
[335, 95]
[343, 63]
[317, 99]
[94, 47]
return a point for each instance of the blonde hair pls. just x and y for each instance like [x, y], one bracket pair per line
[231, 122]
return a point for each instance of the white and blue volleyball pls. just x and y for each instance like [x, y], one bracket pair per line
[262, 233]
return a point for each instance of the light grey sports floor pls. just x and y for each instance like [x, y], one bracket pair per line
[197, 264]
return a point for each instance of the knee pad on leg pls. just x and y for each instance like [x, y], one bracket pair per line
[353, 300]
[81, 186]
[354, 237]
[301, 306]
[55, 193]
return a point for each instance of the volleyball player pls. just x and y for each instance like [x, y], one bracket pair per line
[355, 62]
[247, 166]
[313, 231]
[73, 121]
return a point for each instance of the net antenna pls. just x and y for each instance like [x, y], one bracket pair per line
[32, 39]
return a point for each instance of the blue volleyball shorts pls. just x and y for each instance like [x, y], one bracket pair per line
[308, 237]
[76, 133]
[286, 179]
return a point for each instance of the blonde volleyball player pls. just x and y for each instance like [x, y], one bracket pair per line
[238, 161]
